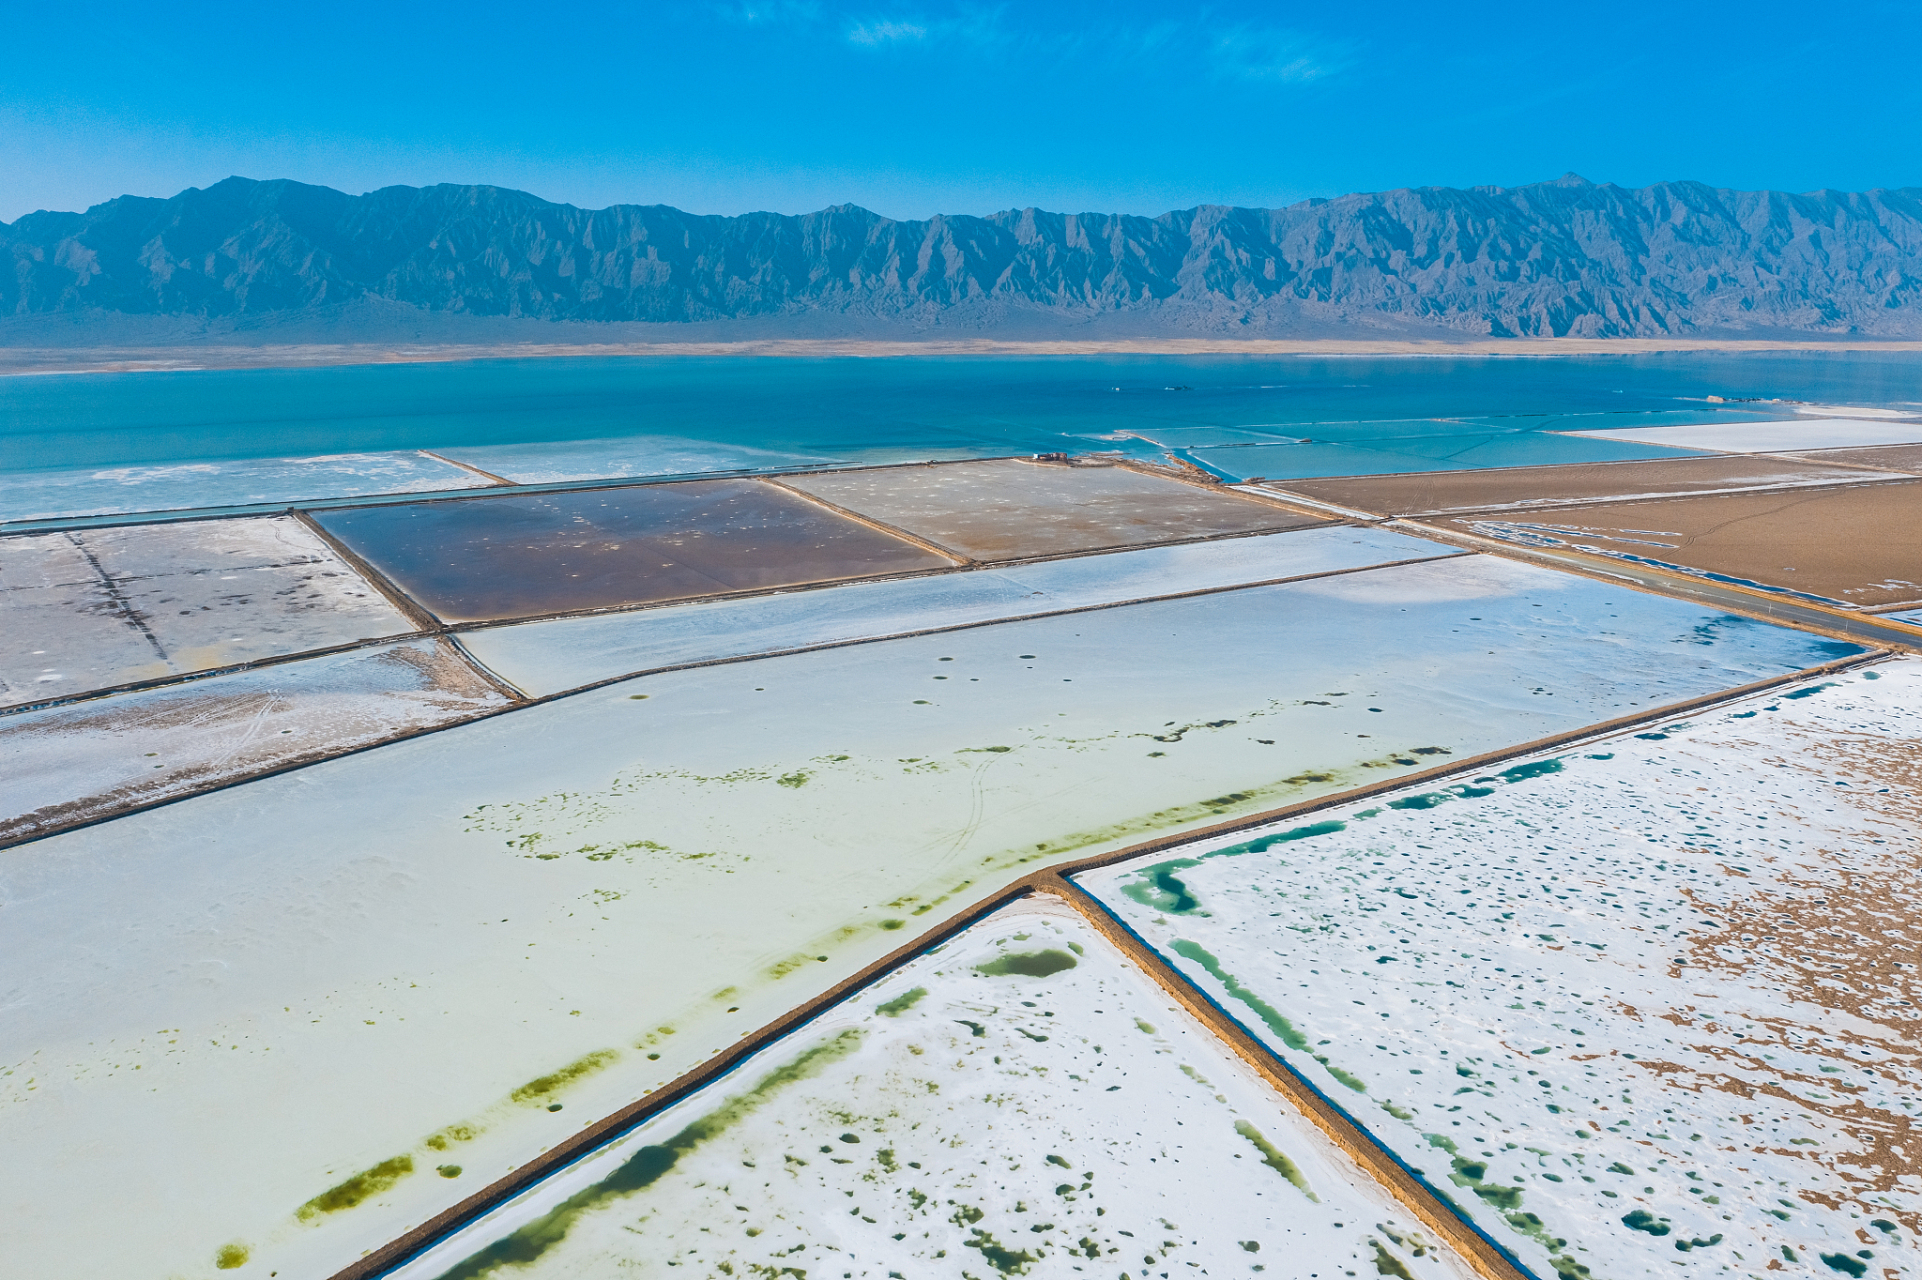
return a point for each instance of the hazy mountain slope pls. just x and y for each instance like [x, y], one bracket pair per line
[1562, 258]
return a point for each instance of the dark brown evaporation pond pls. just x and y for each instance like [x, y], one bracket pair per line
[488, 558]
[1432, 493]
[1008, 509]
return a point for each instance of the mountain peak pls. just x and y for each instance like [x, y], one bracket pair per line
[1524, 261]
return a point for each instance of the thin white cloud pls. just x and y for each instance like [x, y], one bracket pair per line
[1279, 56]
[886, 31]
[761, 13]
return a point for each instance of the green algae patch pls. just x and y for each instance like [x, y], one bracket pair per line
[232, 1256]
[1009, 1262]
[1387, 1264]
[442, 1138]
[1269, 1015]
[1028, 964]
[542, 1089]
[645, 1167]
[364, 1185]
[1471, 1174]
[901, 1003]
[1157, 888]
[1535, 769]
[1277, 1159]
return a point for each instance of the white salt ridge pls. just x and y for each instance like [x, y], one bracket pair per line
[951, 1122]
[543, 658]
[622, 457]
[398, 940]
[1769, 437]
[1656, 1009]
[186, 486]
[91, 609]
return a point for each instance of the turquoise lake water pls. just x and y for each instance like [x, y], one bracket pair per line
[1240, 416]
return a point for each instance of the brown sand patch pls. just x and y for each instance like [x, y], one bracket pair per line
[1859, 545]
[1847, 942]
[1894, 457]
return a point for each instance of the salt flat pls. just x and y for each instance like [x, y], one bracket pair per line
[226, 1007]
[1771, 437]
[92, 609]
[1643, 1005]
[554, 655]
[1022, 1100]
[80, 762]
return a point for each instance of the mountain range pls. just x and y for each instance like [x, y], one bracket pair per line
[1568, 258]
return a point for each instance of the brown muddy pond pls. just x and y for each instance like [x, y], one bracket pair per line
[481, 559]
[1009, 509]
[1434, 492]
[1859, 546]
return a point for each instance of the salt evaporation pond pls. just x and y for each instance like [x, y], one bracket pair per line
[92, 609]
[1021, 1101]
[558, 654]
[230, 1006]
[1644, 1004]
[80, 762]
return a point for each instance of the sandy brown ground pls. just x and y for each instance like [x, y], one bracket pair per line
[1513, 487]
[1860, 546]
[23, 360]
[1897, 457]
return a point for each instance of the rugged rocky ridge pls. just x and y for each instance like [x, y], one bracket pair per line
[1567, 258]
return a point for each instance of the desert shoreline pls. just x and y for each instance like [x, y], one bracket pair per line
[29, 361]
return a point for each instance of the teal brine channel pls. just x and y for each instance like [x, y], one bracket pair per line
[1357, 415]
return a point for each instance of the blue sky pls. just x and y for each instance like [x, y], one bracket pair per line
[915, 108]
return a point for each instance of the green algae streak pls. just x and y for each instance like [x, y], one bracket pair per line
[901, 1003]
[645, 1167]
[540, 1090]
[1265, 1011]
[362, 1186]
[1276, 1159]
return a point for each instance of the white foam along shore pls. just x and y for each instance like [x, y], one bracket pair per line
[237, 482]
[1645, 1003]
[601, 891]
